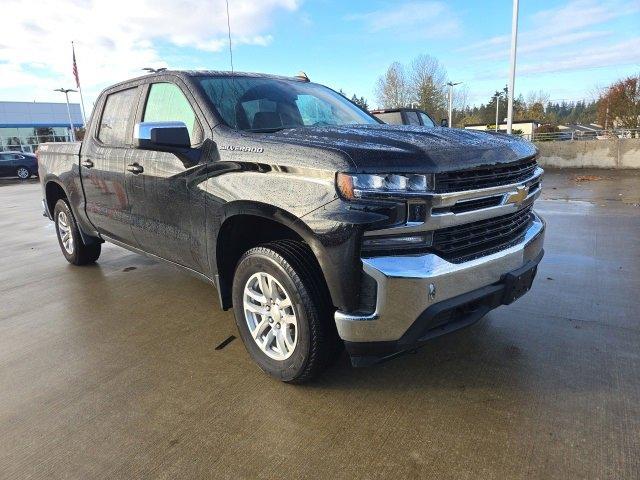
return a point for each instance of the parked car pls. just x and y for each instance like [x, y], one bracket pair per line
[318, 225]
[404, 116]
[18, 164]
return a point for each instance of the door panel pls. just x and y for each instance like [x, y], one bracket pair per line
[103, 167]
[161, 208]
[105, 192]
[167, 217]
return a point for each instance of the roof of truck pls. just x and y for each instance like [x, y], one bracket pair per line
[210, 73]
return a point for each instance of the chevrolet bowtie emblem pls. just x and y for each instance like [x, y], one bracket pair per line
[519, 196]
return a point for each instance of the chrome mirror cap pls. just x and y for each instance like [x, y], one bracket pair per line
[142, 130]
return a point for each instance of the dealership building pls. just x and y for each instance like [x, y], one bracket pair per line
[23, 125]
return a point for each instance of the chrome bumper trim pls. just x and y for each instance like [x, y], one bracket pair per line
[406, 285]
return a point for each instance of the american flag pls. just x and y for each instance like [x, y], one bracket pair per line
[75, 66]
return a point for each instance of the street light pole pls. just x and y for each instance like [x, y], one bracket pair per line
[512, 76]
[497, 109]
[66, 95]
[451, 85]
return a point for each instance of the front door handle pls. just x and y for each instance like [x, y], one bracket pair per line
[87, 163]
[135, 168]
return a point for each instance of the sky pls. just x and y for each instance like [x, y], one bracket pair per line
[567, 48]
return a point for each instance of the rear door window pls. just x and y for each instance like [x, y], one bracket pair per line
[114, 124]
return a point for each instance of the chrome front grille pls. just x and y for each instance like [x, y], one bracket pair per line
[476, 239]
[463, 180]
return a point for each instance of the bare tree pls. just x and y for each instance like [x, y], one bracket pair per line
[427, 79]
[460, 103]
[535, 105]
[422, 84]
[392, 89]
[538, 97]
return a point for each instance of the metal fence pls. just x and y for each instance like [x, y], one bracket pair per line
[580, 135]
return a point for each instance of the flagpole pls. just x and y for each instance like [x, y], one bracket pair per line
[84, 115]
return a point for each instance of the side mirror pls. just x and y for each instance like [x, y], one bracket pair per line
[444, 122]
[161, 135]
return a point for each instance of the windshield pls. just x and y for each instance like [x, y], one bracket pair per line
[258, 104]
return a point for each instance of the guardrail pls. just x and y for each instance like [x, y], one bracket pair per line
[582, 135]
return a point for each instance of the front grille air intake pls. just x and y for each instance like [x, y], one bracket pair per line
[472, 240]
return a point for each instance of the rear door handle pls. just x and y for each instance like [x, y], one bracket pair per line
[87, 163]
[135, 168]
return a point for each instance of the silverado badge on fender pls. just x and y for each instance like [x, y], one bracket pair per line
[235, 148]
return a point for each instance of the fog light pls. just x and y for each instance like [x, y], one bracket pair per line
[398, 242]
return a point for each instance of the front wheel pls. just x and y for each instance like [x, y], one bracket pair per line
[71, 244]
[283, 311]
[23, 173]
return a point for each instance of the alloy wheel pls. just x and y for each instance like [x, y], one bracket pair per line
[64, 229]
[270, 316]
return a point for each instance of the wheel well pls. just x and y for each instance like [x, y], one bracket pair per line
[53, 192]
[237, 235]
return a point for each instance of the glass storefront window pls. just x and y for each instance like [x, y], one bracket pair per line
[28, 138]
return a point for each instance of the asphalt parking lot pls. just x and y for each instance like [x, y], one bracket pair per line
[110, 371]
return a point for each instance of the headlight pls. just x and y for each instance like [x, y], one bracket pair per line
[361, 185]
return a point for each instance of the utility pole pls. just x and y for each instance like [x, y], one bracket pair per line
[451, 85]
[497, 97]
[512, 76]
[66, 94]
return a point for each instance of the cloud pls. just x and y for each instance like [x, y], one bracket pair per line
[622, 53]
[562, 36]
[115, 39]
[425, 19]
[579, 14]
[541, 44]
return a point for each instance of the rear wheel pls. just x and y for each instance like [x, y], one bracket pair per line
[23, 173]
[283, 311]
[71, 244]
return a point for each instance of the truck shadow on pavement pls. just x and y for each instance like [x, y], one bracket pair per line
[477, 356]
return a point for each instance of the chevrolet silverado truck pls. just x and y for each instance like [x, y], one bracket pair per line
[321, 227]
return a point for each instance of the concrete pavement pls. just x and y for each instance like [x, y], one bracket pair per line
[110, 371]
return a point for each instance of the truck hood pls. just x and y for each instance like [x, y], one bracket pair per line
[407, 148]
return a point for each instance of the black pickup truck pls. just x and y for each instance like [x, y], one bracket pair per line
[320, 226]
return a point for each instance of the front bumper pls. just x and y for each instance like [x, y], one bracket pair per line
[415, 293]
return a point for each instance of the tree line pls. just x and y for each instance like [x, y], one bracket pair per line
[535, 107]
[422, 84]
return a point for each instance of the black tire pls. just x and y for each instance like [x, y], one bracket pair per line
[79, 254]
[293, 265]
[23, 173]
